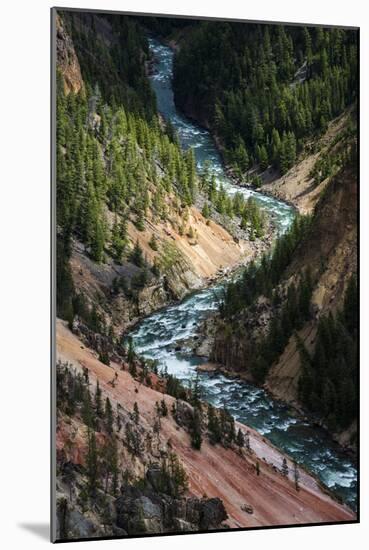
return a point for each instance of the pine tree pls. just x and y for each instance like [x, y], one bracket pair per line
[136, 413]
[196, 390]
[296, 475]
[98, 403]
[213, 426]
[136, 256]
[206, 210]
[191, 233]
[164, 408]
[227, 428]
[140, 220]
[113, 464]
[118, 239]
[92, 463]
[263, 158]
[108, 416]
[240, 439]
[153, 243]
[284, 468]
[350, 308]
[195, 429]
[247, 441]
[155, 268]
[276, 146]
[98, 242]
[307, 46]
[191, 173]
[87, 411]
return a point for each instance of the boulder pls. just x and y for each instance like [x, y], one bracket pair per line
[213, 513]
[247, 508]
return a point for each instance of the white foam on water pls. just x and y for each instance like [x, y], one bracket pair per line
[264, 431]
[332, 478]
[283, 426]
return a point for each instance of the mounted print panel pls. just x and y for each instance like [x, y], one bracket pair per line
[205, 370]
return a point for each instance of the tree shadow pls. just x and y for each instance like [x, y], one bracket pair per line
[42, 530]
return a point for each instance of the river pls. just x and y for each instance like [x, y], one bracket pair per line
[156, 335]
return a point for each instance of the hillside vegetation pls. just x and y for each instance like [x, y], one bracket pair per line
[265, 91]
[291, 321]
[138, 227]
[128, 228]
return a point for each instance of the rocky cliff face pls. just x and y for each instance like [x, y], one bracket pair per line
[330, 251]
[189, 264]
[149, 511]
[230, 344]
[298, 185]
[67, 59]
[137, 511]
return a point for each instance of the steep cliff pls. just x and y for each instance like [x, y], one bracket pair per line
[286, 326]
[319, 159]
[187, 265]
[67, 59]
[163, 484]
[331, 253]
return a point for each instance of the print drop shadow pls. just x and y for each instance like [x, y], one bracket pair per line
[42, 530]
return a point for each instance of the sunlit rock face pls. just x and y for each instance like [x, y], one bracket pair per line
[67, 60]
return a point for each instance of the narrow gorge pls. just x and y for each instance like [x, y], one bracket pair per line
[201, 276]
[157, 336]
